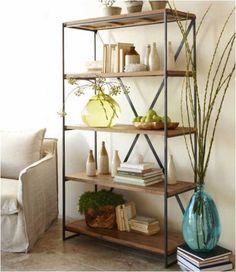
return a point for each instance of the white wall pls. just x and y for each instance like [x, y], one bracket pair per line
[31, 91]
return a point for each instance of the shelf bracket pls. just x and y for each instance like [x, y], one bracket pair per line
[180, 203]
[154, 152]
[127, 97]
[183, 41]
[71, 236]
[176, 57]
[131, 147]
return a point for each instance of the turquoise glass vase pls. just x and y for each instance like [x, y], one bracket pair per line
[101, 111]
[201, 224]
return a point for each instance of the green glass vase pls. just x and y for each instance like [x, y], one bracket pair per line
[101, 111]
[201, 223]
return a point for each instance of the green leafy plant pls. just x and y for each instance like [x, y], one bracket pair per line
[107, 3]
[98, 199]
[209, 103]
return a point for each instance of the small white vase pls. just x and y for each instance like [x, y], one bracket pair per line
[147, 55]
[154, 61]
[90, 165]
[115, 163]
[103, 163]
[171, 170]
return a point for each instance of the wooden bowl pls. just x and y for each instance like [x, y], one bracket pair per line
[155, 125]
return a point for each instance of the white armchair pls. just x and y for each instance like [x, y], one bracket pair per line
[29, 203]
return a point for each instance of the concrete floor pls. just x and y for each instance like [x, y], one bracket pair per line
[81, 253]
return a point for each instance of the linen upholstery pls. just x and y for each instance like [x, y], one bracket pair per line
[19, 149]
[36, 193]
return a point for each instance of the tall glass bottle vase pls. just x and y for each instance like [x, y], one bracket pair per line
[201, 224]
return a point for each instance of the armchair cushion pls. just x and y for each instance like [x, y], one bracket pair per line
[20, 149]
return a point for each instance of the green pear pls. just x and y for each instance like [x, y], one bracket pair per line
[168, 119]
[151, 112]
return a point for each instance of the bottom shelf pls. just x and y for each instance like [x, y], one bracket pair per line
[153, 243]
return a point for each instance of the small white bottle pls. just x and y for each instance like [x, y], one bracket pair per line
[171, 170]
[154, 61]
[103, 163]
[147, 55]
[170, 58]
[115, 163]
[90, 165]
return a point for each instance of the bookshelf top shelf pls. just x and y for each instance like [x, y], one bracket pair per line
[130, 19]
[88, 75]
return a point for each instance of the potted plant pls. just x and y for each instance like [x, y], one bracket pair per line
[99, 208]
[201, 223]
[134, 5]
[108, 9]
[157, 4]
[101, 110]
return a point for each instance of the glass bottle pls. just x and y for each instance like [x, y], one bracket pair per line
[171, 171]
[90, 165]
[101, 111]
[154, 61]
[201, 226]
[103, 163]
[147, 55]
[170, 58]
[115, 163]
[132, 57]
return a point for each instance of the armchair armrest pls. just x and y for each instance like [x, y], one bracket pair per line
[38, 195]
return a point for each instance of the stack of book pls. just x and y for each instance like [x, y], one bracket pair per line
[114, 57]
[142, 174]
[145, 225]
[124, 213]
[217, 259]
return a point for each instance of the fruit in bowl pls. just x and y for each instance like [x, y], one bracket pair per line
[153, 121]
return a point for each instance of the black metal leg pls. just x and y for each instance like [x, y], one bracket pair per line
[165, 143]
[63, 137]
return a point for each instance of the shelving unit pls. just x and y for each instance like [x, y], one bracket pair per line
[166, 242]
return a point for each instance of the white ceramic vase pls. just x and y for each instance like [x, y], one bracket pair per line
[90, 165]
[115, 163]
[103, 163]
[154, 61]
[171, 170]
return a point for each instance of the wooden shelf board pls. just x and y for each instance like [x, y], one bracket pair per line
[107, 181]
[153, 243]
[130, 19]
[133, 130]
[88, 75]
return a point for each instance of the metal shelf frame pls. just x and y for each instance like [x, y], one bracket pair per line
[162, 88]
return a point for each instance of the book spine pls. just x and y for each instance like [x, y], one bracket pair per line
[137, 166]
[121, 61]
[127, 228]
[122, 218]
[118, 219]
[135, 177]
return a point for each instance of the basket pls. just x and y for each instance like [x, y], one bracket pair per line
[104, 217]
